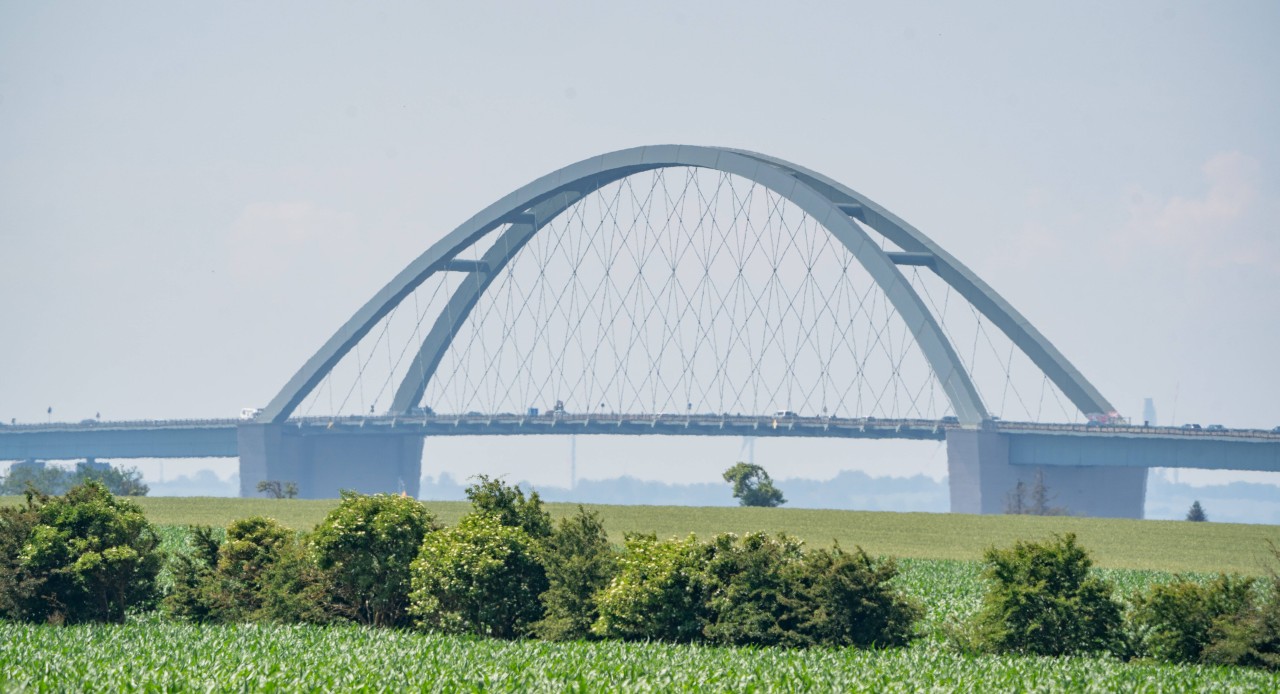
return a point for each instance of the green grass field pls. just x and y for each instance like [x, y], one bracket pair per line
[1174, 546]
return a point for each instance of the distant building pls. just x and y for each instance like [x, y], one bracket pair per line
[1149, 411]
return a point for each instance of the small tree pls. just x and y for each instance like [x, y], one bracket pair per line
[1034, 503]
[851, 601]
[1178, 621]
[88, 557]
[117, 480]
[507, 503]
[367, 544]
[660, 592]
[579, 564]
[277, 489]
[755, 591]
[1042, 600]
[262, 571]
[1196, 514]
[53, 480]
[37, 477]
[18, 586]
[478, 577]
[752, 486]
[1252, 637]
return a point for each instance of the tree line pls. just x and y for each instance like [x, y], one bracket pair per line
[505, 570]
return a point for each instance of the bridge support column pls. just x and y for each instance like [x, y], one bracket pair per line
[982, 475]
[321, 465]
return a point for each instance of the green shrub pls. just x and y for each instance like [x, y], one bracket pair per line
[756, 584]
[367, 545]
[849, 600]
[508, 504]
[479, 577]
[579, 563]
[1252, 637]
[1177, 621]
[261, 572]
[18, 587]
[195, 594]
[660, 592]
[1042, 600]
[87, 557]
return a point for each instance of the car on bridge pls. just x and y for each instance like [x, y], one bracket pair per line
[1216, 427]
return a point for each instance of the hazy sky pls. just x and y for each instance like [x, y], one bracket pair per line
[193, 196]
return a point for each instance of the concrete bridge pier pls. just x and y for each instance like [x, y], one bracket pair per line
[982, 474]
[322, 465]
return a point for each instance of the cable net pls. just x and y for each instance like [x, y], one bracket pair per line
[683, 290]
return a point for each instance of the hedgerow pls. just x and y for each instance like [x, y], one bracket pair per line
[505, 571]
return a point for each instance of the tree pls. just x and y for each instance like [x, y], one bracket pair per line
[277, 489]
[579, 564]
[118, 481]
[508, 504]
[1018, 503]
[1041, 599]
[87, 557]
[851, 601]
[1178, 621]
[478, 577]
[1196, 514]
[53, 480]
[752, 486]
[756, 591]
[660, 592]
[367, 544]
[38, 477]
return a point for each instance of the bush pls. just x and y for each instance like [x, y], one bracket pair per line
[195, 594]
[849, 601]
[755, 597]
[509, 505]
[1042, 600]
[1177, 621]
[18, 586]
[659, 593]
[261, 572]
[579, 563]
[479, 577]
[1252, 637]
[86, 557]
[367, 545]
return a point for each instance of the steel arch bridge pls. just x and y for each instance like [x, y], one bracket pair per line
[849, 217]
[684, 280]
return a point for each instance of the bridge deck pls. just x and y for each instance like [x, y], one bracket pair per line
[1033, 443]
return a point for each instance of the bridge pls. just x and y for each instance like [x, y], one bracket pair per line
[685, 291]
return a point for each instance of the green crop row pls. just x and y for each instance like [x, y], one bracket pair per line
[156, 655]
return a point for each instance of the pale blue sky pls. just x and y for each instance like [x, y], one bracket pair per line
[1112, 168]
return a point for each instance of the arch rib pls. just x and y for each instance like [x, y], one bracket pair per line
[831, 204]
[1000, 312]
